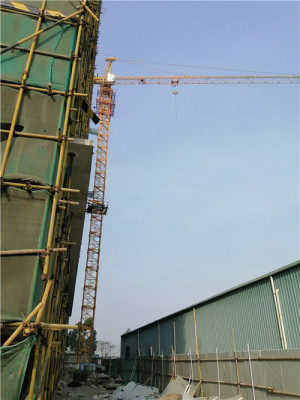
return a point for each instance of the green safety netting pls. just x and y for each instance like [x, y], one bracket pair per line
[30, 158]
[25, 216]
[14, 360]
[44, 69]
[24, 223]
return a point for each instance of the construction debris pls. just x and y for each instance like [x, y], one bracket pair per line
[181, 389]
[179, 386]
[99, 386]
[133, 390]
[82, 385]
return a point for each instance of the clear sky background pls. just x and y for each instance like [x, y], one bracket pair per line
[207, 200]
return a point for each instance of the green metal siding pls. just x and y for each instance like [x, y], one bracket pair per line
[132, 343]
[148, 339]
[185, 333]
[249, 310]
[184, 339]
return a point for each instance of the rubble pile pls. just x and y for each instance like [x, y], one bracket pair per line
[134, 390]
[99, 386]
[181, 389]
[82, 385]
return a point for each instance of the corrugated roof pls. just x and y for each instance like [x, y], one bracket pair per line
[226, 292]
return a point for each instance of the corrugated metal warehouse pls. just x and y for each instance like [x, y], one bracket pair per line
[244, 341]
[264, 313]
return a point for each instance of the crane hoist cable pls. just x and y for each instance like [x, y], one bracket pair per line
[139, 62]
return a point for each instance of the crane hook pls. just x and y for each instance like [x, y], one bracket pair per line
[175, 94]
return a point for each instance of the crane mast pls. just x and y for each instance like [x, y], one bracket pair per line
[97, 209]
[96, 205]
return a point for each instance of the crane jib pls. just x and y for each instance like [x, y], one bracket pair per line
[202, 80]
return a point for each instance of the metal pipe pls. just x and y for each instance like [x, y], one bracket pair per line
[28, 252]
[172, 361]
[281, 318]
[174, 349]
[91, 12]
[42, 90]
[50, 311]
[218, 371]
[35, 135]
[35, 363]
[70, 190]
[20, 328]
[236, 363]
[158, 338]
[71, 203]
[42, 361]
[259, 358]
[251, 373]
[64, 145]
[45, 364]
[249, 385]
[51, 188]
[278, 315]
[44, 300]
[44, 325]
[49, 326]
[198, 357]
[39, 52]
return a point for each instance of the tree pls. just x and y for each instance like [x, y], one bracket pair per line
[106, 349]
[88, 322]
[94, 341]
[73, 337]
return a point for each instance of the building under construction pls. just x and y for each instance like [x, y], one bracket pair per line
[48, 57]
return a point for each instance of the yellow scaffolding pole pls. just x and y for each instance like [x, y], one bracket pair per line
[37, 309]
[198, 357]
[47, 91]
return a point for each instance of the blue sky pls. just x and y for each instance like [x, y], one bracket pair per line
[207, 200]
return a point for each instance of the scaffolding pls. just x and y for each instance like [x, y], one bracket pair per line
[36, 179]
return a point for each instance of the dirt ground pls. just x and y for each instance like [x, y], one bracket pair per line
[72, 386]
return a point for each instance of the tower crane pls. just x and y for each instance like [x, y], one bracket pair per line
[96, 206]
